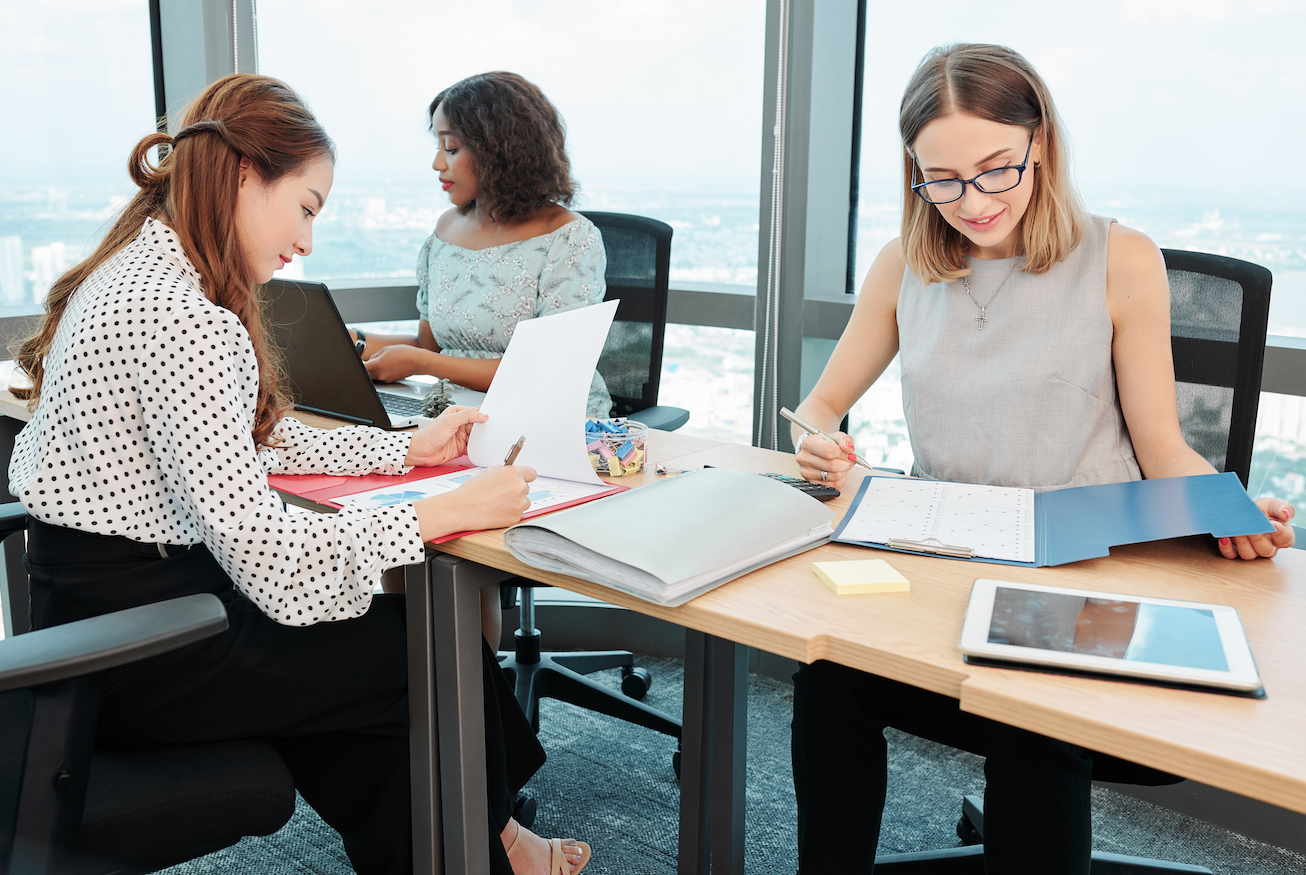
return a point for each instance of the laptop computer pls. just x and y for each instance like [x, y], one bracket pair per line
[325, 374]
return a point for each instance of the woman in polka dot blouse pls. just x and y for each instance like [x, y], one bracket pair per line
[156, 418]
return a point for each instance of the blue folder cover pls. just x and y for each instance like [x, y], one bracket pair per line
[1085, 522]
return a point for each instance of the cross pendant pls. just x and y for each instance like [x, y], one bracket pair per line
[981, 319]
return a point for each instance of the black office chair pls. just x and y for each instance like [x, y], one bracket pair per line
[639, 259]
[69, 809]
[1219, 310]
[638, 275]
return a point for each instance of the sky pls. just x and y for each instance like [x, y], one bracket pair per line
[1182, 93]
[1196, 94]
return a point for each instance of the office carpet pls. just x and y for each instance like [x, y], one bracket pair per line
[613, 786]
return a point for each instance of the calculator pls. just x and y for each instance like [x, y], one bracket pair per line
[820, 491]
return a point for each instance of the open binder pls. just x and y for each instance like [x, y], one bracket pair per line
[1085, 522]
[676, 539]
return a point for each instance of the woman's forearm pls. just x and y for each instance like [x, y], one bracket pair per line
[473, 373]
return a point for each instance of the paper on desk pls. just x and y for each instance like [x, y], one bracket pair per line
[540, 390]
[545, 492]
[996, 522]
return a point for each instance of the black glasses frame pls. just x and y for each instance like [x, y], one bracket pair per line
[919, 187]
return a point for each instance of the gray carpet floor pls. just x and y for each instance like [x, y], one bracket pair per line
[613, 786]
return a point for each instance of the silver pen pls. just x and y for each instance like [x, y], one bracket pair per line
[811, 429]
[513, 451]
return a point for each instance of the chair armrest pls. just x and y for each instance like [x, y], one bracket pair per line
[13, 518]
[665, 418]
[97, 643]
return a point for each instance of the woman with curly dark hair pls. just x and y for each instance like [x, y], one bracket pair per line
[508, 250]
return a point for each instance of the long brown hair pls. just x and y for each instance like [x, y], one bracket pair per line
[997, 84]
[517, 141]
[193, 191]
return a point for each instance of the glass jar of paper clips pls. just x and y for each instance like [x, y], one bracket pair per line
[617, 447]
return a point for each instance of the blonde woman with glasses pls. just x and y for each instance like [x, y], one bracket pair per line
[1034, 342]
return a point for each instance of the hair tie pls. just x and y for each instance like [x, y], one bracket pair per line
[210, 126]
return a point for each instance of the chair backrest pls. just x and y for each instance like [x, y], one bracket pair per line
[639, 264]
[1219, 309]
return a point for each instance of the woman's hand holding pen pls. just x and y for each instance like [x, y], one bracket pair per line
[817, 455]
[490, 500]
[1280, 514]
[494, 498]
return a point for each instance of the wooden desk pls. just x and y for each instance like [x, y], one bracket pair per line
[1250, 747]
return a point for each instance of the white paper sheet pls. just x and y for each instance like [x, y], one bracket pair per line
[545, 491]
[540, 392]
[997, 522]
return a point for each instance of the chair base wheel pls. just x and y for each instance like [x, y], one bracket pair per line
[675, 764]
[635, 682]
[967, 832]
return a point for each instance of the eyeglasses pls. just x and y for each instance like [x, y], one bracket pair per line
[945, 191]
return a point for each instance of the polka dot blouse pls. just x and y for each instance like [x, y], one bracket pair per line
[143, 430]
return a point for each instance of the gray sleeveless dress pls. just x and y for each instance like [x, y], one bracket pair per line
[1031, 399]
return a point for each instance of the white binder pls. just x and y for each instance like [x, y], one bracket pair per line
[676, 539]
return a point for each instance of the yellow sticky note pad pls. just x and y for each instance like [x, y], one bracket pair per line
[860, 576]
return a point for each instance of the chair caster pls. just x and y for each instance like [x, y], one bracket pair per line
[635, 682]
[675, 764]
[967, 832]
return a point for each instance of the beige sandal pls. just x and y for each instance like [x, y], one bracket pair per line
[558, 864]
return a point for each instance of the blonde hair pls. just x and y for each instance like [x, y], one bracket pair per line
[997, 84]
[193, 191]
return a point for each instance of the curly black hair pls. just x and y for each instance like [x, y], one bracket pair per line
[517, 140]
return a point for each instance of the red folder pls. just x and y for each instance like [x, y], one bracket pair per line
[323, 489]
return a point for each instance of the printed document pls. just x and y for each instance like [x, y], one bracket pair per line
[996, 522]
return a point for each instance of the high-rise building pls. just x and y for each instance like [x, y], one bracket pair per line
[48, 262]
[12, 284]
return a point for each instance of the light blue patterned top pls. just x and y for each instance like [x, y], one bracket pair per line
[474, 298]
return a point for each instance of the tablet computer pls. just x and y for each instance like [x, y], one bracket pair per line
[1025, 625]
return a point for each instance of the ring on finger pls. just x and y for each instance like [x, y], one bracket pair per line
[825, 475]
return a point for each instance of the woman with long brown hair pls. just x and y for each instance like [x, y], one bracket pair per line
[509, 249]
[1034, 341]
[157, 415]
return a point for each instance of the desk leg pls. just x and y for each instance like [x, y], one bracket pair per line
[455, 603]
[729, 754]
[695, 853]
[713, 751]
[424, 765]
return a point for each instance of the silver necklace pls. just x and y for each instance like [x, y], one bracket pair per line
[981, 318]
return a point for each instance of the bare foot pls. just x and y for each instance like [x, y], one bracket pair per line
[531, 855]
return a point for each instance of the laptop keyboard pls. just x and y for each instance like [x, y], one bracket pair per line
[400, 405]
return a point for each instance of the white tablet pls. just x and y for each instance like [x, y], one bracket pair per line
[1075, 630]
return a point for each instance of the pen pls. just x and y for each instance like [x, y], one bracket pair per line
[811, 429]
[513, 451]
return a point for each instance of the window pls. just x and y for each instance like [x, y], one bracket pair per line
[662, 104]
[1181, 125]
[79, 76]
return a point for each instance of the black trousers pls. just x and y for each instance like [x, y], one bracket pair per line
[1037, 816]
[332, 698]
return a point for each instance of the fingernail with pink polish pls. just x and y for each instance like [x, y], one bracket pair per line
[1224, 542]
[852, 457]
